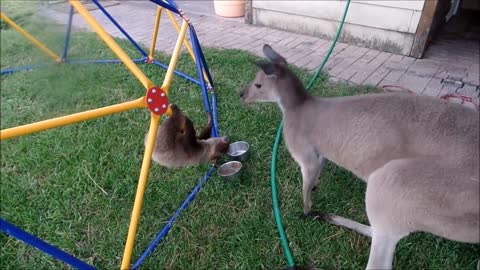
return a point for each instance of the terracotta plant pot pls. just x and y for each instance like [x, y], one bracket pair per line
[229, 8]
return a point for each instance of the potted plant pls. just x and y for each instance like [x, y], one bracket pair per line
[229, 8]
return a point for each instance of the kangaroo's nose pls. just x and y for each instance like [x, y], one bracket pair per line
[242, 93]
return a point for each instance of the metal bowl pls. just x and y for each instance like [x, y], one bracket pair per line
[230, 170]
[239, 151]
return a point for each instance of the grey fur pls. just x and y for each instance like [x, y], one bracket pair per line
[418, 155]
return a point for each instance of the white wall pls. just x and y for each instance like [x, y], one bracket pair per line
[390, 25]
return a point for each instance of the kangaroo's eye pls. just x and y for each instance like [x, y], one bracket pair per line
[258, 85]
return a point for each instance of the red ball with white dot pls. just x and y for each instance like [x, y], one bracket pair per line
[157, 100]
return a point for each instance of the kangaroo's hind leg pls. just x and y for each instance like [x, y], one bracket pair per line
[391, 202]
[385, 230]
[427, 194]
[382, 250]
[344, 222]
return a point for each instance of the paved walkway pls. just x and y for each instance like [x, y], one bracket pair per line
[445, 68]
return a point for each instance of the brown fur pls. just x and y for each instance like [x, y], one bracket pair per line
[177, 144]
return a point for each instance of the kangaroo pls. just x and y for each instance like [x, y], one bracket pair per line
[418, 155]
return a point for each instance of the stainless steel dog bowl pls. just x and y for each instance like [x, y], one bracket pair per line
[239, 151]
[230, 170]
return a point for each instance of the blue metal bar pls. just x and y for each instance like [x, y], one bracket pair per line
[81, 61]
[166, 228]
[134, 43]
[198, 64]
[196, 44]
[43, 246]
[203, 84]
[15, 69]
[202, 56]
[179, 73]
[166, 5]
[67, 35]
[215, 128]
[100, 61]
[173, 4]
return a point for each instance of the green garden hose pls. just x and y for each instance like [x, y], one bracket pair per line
[276, 208]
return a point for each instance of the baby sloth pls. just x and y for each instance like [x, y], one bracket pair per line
[177, 144]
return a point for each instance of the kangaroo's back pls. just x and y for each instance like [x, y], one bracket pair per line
[361, 133]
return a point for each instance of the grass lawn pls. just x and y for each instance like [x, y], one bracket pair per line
[49, 180]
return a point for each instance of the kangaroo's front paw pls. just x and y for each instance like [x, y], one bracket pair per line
[308, 215]
[307, 207]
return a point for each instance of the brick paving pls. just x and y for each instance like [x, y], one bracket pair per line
[444, 68]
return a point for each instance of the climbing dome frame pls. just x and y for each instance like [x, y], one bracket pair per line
[155, 100]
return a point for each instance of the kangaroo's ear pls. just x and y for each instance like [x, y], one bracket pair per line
[273, 56]
[267, 67]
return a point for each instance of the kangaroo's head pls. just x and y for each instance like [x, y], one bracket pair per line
[274, 82]
[264, 88]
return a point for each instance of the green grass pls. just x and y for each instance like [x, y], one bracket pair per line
[49, 179]
[18, 11]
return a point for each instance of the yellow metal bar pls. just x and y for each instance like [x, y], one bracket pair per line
[174, 59]
[155, 33]
[177, 27]
[185, 42]
[112, 44]
[70, 119]
[142, 183]
[27, 35]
